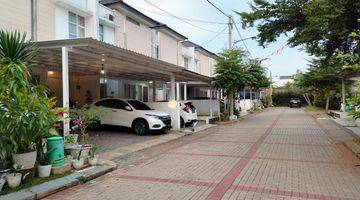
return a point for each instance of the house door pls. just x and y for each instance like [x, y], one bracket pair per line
[145, 94]
[103, 90]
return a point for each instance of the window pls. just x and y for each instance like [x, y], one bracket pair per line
[101, 32]
[186, 62]
[129, 91]
[138, 105]
[156, 51]
[104, 103]
[155, 44]
[132, 21]
[118, 104]
[112, 103]
[76, 26]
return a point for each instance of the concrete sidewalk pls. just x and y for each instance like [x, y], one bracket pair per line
[278, 154]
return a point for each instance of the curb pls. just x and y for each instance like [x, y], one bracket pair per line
[51, 187]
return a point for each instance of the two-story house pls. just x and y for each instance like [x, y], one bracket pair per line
[63, 23]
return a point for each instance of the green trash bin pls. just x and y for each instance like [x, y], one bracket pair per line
[55, 149]
[347, 107]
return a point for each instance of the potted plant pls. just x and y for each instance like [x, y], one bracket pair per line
[83, 118]
[71, 139]
[93, 158]
[25, 109]
[78, 162]
[14, 178]
[44, 166]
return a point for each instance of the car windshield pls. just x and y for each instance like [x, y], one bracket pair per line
[138, 105]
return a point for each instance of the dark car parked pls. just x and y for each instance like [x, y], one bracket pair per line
[295, 102]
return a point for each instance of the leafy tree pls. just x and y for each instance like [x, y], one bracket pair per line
[322, 27]
[230, 74]
[321, 78]
[259, 78]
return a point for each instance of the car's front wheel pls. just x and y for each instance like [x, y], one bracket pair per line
[141, 127]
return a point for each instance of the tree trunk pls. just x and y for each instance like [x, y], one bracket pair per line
[307, 99]
[231, 98]
[327, 95]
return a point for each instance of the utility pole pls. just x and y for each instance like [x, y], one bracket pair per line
[33, 20]
[230, 96]
[230, 27]
[271, 89]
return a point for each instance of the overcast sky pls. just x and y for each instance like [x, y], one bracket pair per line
[285, 63]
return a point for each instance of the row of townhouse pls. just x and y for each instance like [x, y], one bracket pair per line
[114, 23]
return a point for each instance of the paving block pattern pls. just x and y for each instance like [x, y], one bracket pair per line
[279, 154]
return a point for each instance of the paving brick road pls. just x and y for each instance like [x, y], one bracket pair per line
[280, 154]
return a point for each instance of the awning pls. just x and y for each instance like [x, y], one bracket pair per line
[86, 54]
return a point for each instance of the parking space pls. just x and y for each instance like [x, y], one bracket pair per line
[111, 137]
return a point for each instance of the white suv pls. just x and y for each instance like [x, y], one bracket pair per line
[133, 114]
[188, 114]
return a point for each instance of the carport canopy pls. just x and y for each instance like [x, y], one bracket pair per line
[86, 56]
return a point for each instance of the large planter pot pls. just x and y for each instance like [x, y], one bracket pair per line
[75, 150]
[26, 160]
[43, 171]
[2, 183]
[78, 164]
[13, 180]
[93, 160]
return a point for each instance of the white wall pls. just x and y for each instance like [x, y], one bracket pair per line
[109, 34]
[61, 23]
[205, 106]
[171, 107]
[245, 105]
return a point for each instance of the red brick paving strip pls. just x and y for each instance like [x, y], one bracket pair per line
[222, 187]
[260, 158]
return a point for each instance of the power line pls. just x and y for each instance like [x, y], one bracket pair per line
[196, 26]
[241, 38]
[213, 38]
[184, 18]
[217, 8]
[237, 29]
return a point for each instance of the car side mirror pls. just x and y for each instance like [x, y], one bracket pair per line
[128, 108]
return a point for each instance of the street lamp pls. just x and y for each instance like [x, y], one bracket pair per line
[249, 38]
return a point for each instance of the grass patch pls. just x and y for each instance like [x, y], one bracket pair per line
[35, 181]
[314, 109]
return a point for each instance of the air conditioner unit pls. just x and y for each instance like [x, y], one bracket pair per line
[110, 17]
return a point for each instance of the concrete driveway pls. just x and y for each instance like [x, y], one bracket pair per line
[278, 154]
[112, 137]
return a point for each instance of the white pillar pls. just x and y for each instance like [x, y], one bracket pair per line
[210, 104]
[165, 91]
[244, 100]
[154, 91]
[185, 91]
[65, 87]
[172, 87]
[177, 91]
